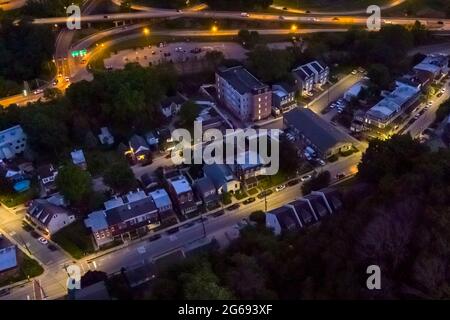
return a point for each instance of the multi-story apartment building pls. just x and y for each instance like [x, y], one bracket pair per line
[248, 98]
[309, 75]
[12, 142]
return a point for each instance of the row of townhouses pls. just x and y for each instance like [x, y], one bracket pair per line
[306, 211]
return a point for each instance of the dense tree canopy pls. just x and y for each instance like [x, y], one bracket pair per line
[125, 99]
[74, 183]
[26, 51]
[48, 8]
[119, 176]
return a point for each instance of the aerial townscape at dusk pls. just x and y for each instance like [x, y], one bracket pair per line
[217, 150]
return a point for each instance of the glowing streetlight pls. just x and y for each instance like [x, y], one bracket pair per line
[214, 28]
[146, 31]
[294, 28]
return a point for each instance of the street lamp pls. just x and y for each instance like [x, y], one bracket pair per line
[293, 28]
[146, 31]
[214, 28]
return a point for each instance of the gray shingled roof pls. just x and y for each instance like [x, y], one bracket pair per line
[318, 131]
[286, 217]
[241, 80]
[130, 210]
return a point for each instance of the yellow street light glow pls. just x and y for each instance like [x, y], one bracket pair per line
[214, 28]
[146, 31]
[294, 27]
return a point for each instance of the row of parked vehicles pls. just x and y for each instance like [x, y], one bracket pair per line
[340, 105]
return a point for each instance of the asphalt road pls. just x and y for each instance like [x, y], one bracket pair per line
[7, 5]
[390, 5]
[306, 18]
[428, 117]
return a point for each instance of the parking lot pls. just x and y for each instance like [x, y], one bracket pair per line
[173, 52]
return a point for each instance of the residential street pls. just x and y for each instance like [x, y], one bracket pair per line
[54, 279]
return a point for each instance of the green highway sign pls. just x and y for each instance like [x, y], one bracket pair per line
[79, 53]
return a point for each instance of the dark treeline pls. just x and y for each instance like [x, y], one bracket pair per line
[396, 217]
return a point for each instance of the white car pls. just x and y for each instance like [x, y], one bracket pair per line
[244, 14]
[38, 91]
[280, 187]
[306, 178]
[321, 162]
[354, 72]
[43, 240]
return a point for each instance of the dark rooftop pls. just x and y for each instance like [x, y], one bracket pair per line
[241, 80]
[130, 210]
[318, 131]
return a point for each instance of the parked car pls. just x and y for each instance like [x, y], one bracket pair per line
[321, 162]
[280, 187]
[293, 182]
[43, 240]
[173, 230]
[249, 200]
[306, 178]
[52, 247]
[264, 194]
[5, 292]
[233, 207]
[340, 176]
[34, 234]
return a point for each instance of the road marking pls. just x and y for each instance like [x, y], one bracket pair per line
[141, 250]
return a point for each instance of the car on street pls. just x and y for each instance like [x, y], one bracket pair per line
[354, 72]
[244, 14]
[173, 230]
[38, 91]
[67, 79]
[249, 200]
[188, 225]
[321, 162]
[293, 182]
[280, 187]
[233, 207]
[306, 178]
[52, 247]
[34, 234]
[439, 94]
[265, 194]
[281, 17]
[5, 292]
[340, 176]
[43, 240]
[335, 19]
[241, 224]
[154, 237]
